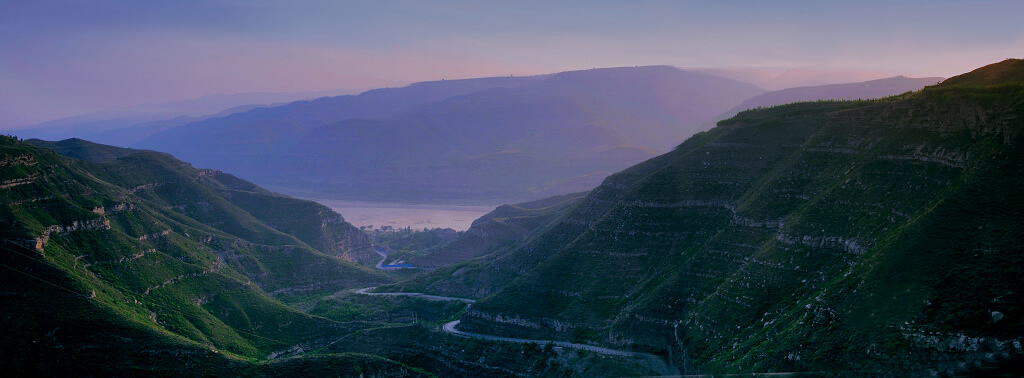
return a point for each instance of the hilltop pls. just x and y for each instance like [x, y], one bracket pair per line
[1005, 72]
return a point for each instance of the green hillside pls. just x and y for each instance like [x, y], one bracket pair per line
[144, 256]
[849, 236]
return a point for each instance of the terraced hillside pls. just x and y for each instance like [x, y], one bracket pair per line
[851, 236]
[126, 266]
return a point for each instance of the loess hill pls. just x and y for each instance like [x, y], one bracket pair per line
[838, 236]
[139, 263]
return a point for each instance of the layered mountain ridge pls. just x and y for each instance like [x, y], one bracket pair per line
[243, 143]
[463, 139]
[416, 143]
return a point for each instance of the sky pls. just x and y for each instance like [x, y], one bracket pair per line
[67, 57]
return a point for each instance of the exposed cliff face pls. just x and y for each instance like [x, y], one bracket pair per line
[818, 236]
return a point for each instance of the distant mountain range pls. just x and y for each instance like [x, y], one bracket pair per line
[486, 140]
[774, 79]
[845, 237]
[127, 126]
[489, 140]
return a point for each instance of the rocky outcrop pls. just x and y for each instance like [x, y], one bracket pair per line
[22, 160]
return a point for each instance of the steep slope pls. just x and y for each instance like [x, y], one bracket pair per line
[499, 229]
[148, 248]
[851, 91]
[830, 236]
[312, 223]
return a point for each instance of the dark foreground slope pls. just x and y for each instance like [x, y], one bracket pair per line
[860, 236]
[128, 266]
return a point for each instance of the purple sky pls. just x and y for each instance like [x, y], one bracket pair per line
[61, 58]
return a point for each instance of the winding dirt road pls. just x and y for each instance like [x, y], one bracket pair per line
[654, 362]
[365, 291]
[450, 328]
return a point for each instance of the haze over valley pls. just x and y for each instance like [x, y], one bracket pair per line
[410, 189]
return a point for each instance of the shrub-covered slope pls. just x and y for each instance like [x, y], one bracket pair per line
[145, 250]
[828, 236]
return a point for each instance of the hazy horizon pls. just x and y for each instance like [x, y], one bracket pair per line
[67, 58]
[768, 78]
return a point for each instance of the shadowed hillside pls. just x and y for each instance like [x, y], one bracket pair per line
[847, 236]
